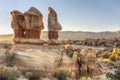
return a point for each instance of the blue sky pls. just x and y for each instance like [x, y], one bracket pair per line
[74, 15]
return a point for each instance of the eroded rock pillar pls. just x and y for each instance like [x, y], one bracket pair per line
[33, 23]
[53, 25]
[16, 23]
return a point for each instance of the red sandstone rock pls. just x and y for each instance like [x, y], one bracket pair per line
[16, 23]
[33, 23]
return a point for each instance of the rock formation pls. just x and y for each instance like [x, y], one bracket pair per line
[16, 23]
[30, 24]
[85, 61]
[53, 25]
[33, 23]
[27, 27]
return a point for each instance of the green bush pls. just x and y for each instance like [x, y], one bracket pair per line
[117, 66]
[109, 75]
[60, 74]
[7, 73]
[32, 74]
[113, 58]
[70, 54]
[7, 45]
[115, 76]
[111, 64]
[9, 58]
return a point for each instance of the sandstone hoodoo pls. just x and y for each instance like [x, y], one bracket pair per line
[33, 23]
[27, 27]
[53, 25]
[16, 23]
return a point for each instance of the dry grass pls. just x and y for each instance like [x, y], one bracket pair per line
[6, 38]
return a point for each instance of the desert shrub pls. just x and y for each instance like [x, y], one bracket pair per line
[32, 74]
[111, 64]
[109, 75]
[117, 66]
[9, 58]
[7, 46]
[12, 77]
[68, 78]
[60, 74]
[69, 41]
[98, 55]
[113, 58]
[106, 56]
[119, 54]
[115, 76]
[70, 54]
[7, 73]
[69, 51]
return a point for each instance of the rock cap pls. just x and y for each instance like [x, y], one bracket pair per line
[33, 11]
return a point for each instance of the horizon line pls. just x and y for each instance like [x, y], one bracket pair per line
[69, 31]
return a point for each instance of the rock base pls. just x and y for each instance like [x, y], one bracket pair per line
[53, 42]
[41, 57]
[28, 41]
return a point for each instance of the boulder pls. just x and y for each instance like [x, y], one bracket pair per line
[45, 58]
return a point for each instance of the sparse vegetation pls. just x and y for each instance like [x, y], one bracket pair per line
[60, 74]
[103, 42]
[7, 73]
[70, 54]
[115, 75]
[9, 58]
[32, 74]
[7, 45]
[113, 58]
[106, 56]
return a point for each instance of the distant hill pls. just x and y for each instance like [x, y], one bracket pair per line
[73, 35]
[79, 35]
[6, 38]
